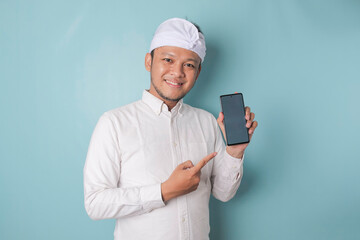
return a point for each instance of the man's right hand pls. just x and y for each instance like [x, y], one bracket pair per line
[184, 179]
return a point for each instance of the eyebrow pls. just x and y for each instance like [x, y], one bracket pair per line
[168, 54]
[172, 55]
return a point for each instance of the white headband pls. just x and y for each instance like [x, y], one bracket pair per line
[179, 32]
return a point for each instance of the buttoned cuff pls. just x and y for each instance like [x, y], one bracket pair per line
[234, 166]
[151, 197]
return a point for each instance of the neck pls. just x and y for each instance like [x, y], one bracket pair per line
[170, 104]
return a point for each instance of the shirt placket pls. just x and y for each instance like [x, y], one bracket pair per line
[181, 200]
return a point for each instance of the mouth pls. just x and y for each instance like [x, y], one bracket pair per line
[173, 84]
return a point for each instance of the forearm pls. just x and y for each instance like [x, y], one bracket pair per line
[226, 177]
[104, 203]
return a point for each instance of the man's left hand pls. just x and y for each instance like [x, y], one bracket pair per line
[237, 151]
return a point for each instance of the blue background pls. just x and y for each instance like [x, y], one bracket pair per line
[64, 63]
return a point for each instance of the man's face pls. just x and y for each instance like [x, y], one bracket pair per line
[173, 71]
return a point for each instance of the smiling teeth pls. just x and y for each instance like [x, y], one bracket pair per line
[173, 83]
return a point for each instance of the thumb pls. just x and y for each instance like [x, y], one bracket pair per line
[187, 164]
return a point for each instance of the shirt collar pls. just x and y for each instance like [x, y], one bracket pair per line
[157, 105]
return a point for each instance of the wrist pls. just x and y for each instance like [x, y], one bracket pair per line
[165, 193]
[234, 153]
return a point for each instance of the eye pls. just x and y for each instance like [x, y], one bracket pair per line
[167, 60]
[190, 65]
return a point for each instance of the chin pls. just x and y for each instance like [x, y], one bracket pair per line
[173, 98]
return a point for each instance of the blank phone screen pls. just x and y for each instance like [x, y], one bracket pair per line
[234, 119]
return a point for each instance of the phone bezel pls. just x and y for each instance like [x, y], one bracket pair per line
[226, 95]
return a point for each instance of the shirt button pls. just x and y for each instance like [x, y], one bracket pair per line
[183, 219]
[175, 144]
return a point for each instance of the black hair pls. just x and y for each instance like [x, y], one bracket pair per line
[197, 27]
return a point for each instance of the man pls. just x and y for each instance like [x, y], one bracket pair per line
[148, 163]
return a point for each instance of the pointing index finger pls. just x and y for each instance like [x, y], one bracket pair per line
[203, 162]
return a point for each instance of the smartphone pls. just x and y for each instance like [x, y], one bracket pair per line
[232, 106]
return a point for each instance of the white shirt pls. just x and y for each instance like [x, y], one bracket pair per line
[135, 148]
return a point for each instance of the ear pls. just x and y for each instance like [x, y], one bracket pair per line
[198, 73]
[148, 62]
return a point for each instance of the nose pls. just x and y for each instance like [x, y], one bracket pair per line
[177, 70]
